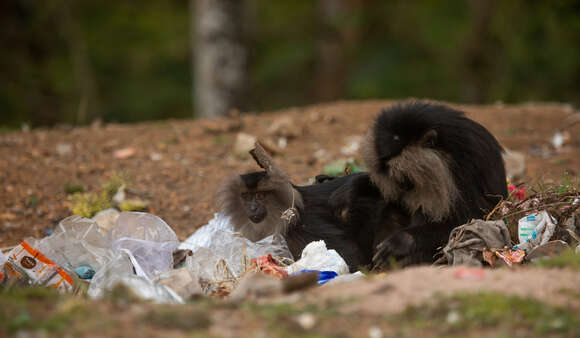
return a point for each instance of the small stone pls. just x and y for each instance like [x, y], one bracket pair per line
[375, 332]
[453, 317]
[244, 143]
[156, 157]
[306, 320]
[63, 149]
[352, 145]
[124, 153]
[284, 126]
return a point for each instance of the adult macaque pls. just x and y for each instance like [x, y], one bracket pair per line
[434, 167]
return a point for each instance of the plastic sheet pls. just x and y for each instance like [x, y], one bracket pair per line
[316, 256]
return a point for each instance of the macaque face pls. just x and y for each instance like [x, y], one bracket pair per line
[254, 205]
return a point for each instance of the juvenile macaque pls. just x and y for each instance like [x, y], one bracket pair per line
[266, 202]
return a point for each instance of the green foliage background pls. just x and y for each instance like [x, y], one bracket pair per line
[140, 56]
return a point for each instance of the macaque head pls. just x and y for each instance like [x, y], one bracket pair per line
[255, 202]
[254, 195]
[406, 156]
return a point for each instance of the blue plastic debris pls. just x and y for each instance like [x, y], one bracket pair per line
[323, 276]
[85, 272]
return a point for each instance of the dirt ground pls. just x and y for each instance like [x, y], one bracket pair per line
[179, 164]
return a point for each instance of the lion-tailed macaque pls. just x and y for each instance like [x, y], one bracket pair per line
[430, 169]
[265, 202]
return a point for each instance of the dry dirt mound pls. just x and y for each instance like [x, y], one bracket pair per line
[418, 285]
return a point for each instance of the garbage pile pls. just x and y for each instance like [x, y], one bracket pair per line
[142, 253]
[520, 229]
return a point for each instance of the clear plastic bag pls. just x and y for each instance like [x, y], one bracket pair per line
[149, 239]
[77, 241]
[144, 226]
[120, 271]
[220, 254]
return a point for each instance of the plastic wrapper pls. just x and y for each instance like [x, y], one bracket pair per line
[316, 256]
[77, 241]
[323, 276]
[535, 229]
[269, 266]
[148, 238]
[27, 266]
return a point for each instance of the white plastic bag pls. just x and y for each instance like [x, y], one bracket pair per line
[316, 256]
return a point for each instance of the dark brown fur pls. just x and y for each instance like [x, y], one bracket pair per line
[434, 165]
[315, 218]
[279, 195]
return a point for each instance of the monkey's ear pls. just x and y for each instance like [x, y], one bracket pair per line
[429, 139]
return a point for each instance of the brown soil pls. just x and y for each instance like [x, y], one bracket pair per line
[195, 158]
[417, 285]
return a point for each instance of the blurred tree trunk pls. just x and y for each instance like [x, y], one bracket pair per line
[479, 52]
[330, 51]
[219, 55]
[72, 33]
